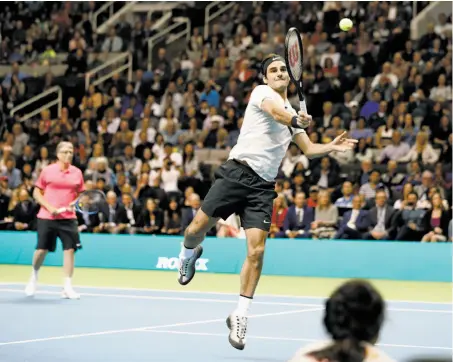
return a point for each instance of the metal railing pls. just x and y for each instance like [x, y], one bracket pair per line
[107, 6]
[57, 102]
[121, 58]
[209, 17]
[153, 40]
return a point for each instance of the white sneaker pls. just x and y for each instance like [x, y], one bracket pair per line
[69, 293]
[238, 329]
[30, 289]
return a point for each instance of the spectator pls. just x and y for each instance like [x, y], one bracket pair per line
[436, 222]
[24, 213]
[12, 173]
[151, 220]
[410, 220]
[278, 216]
[370, 188]
[326, 218]
[298, 219]
[346, 200]
[189, 213]
[394, 151]
[113, 43]
[421, 150]
[382, 219]
[172, 219]
[354, 222]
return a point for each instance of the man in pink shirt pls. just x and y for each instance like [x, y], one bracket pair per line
[58, 186]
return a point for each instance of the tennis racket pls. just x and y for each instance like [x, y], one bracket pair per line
[294, 57]
[89, 203]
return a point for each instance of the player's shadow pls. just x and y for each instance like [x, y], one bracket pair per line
[35, 301]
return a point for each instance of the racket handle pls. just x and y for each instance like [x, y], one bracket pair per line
[303, 107]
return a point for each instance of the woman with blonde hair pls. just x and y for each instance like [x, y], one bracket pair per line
[436, 221]
[422, 149]
[326, 217]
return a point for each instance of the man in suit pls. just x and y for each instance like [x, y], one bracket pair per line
[24, 213]
[189, 212]
[298, 219]
[355, 222]
[127, 215]
[112, 216]
[382, 219]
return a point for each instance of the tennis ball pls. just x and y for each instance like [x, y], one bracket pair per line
[346, 24]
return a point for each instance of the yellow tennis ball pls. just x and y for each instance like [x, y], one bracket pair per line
[346, 24]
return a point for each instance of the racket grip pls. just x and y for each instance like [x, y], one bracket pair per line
[303, 107]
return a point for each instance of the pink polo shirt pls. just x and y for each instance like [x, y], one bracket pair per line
[61, 187]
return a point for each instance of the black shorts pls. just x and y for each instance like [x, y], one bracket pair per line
[65, 229]
[238, 189]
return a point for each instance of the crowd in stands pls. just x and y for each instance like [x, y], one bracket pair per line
[153, 144]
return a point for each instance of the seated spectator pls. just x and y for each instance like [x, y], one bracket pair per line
[354, 223]
[435, 223]
[427, 181]
[215, 137]
[382, 219]
[112, 43]
[151, 219]
[363, 151]
[293, 156]
[409, 220]
[12, 173]
[312, 200]
[112, 216]
[130, 216]
[370, 188]
[279, 213]
[346, 200]
[298, 219]
[24, 213]
[394, 151]
[189, 213]
[421, 150]
[353, 331]
[401, 203]
[384, 133]
[326, 218]
[325, 176]
[393, 179]
[172, 219]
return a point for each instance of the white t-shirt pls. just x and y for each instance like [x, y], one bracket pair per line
[263, 142]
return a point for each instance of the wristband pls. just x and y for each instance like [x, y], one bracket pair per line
[294, 122]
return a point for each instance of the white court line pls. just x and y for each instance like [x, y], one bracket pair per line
[291, 339]
[141, 329]
[209, 300]
[217, 293]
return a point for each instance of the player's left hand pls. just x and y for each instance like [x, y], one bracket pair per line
[304, 119]
[343, 144]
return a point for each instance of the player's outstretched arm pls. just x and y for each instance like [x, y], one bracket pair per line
[281, 115]
[313, 150]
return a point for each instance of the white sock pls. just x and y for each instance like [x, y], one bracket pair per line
[68, 282]
[185, 253]
[34, 274]
[243, 306]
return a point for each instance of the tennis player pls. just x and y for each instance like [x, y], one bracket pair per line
[58, 186]
[245, 183]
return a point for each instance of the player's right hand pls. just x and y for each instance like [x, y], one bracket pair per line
[303, 119]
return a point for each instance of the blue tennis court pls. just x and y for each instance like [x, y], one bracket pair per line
[157, 325]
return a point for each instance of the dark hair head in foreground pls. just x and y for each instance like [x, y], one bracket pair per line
[354, 314]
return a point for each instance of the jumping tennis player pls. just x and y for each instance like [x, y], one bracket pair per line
[58, 186]
[245, 183]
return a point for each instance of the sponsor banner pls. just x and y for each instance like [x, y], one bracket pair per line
[292, 257]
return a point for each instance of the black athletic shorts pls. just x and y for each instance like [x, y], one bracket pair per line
[238, 189]
[65, 229]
